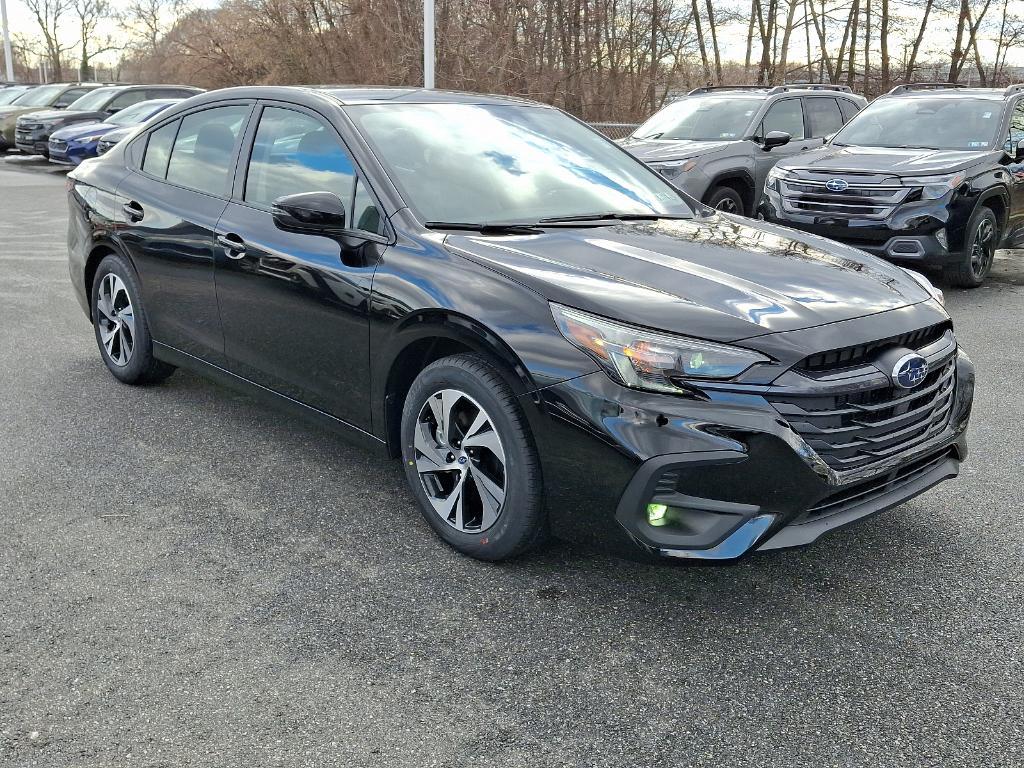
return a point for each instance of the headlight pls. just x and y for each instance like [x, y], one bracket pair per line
[775, 174]
[649, 359]
[673, 168]
[87, 139]
[934, 187]
[925, 283]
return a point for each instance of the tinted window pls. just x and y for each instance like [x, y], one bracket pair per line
[499, 163]
[94, 100]
[204, 149]
[126, 99]
[295, 153]
[158, 149]
[786, 116]
[70, 97]
[365, 215]
[849, 109]
[823, 116]
[1016, 127]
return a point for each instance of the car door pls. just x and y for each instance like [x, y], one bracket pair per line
[823, 117]
[295, 305]
[1015, 175]
[170, 206]
[784, 115]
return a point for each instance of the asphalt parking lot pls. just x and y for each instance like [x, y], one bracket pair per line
[190, 579]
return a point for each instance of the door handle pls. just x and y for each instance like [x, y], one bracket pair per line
[233, 245]
[133, 211]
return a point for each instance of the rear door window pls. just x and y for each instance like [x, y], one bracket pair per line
[849, 109]
[158, 150]
[823, 116]
[203, 155]
[126, 99]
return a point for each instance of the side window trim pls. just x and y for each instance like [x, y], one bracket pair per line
[145, 149]
[245, 157]
[803, 116]
[181, 116]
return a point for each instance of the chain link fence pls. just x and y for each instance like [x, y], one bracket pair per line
[615, 130]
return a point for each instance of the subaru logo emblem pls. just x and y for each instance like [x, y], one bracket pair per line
[462, 459]
[836, 185]
[909, 371]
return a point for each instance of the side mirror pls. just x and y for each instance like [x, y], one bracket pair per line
[775, 139]
[312, 212]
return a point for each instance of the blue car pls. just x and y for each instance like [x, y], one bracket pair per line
[72, 145]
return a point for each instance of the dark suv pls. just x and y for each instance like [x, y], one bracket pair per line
[718, 143]
[545, 331]
[931, 174]
[32, 134]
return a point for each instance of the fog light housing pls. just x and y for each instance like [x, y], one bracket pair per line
[941, 237]
[657, 514]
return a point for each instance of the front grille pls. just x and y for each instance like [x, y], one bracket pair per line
[845, 357]
[857, 428]
[865, 196]
[863, 493]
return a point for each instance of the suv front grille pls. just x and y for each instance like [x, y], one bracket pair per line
[846, 357]
[867, 197]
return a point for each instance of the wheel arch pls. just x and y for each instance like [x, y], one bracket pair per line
[739, 180]
[100, 250]
[429, 335]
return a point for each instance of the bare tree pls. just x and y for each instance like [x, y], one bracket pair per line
[49, 15]
[91, 13]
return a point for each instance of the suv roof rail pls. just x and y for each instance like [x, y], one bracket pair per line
[810, 87]
[710, 88]
[1014, 88]
[922, 87]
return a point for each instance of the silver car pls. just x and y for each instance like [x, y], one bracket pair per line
[718, 143]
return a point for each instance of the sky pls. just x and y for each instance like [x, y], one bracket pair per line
[732, 39]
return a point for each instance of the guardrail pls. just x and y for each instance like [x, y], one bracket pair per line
[615, 130]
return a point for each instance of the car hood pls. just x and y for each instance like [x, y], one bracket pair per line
[719, 277]
[655, 150]
[64, 116]
[80, 129]
[897, 162]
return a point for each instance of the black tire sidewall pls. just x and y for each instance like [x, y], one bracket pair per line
[141, 362]
[721, 193]
[518, 525]
[962, 274]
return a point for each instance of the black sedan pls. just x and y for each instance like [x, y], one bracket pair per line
[550, 336]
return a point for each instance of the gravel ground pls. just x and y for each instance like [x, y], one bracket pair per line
[190, 579]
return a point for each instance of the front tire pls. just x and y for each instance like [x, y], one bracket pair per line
[979, 251]
[471, 461]
[726, 200]
[122, 330]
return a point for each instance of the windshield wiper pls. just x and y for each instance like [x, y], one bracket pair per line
[610, 216]
[486, 227]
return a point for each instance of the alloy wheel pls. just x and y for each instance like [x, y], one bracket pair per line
[983, 250]
[727, 205]
[116, 319]
[460, 461]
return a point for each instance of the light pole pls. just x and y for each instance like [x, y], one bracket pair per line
[428, 43]
[8, 57]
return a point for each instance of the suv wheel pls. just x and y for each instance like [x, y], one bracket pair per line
[470, 459]
[122, 332]
[726, 199]
[979, 250]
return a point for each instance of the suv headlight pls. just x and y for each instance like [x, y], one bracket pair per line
[934, 187]
[925, 283]
[672, 168]
[775, 174]
[650, 360]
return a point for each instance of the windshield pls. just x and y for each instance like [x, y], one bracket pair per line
[918, 123]
[477, 163]
[137, 113]
[701, 119]
[39, 97]
[92, 101]
[7, 95]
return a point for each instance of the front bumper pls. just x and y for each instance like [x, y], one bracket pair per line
[735, 478]
[34, 142]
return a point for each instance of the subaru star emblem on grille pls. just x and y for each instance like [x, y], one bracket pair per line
[909, 371]
[836, 185]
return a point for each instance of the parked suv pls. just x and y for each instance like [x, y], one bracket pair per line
[718, 143]
[33, 131]
[53, 96]
[550, 335]
[931, 174]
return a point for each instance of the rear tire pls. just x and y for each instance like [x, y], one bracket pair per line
[119, 320]
[727, 200]
[471, 461]
[979, 251]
